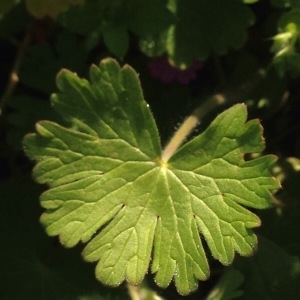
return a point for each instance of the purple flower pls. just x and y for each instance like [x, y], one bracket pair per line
[161, 69]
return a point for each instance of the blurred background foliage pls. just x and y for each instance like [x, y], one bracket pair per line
[186, 51]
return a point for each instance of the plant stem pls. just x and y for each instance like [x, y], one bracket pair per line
[13, 76]
[189, 124]
[229, 96]
[134, 291]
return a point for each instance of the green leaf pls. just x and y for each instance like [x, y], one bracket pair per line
[149, 17]
[250, 1]
[47, 59]
[286, 3]
[6, 6]
[285, 45]
[84, 19]
[274, 273]
[110, 188]
[52, 8]
[204, 26]
[8, 25]
[116, 39]
[115, 19]
[228, 286]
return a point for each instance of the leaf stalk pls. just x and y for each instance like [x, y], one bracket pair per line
[189, 125]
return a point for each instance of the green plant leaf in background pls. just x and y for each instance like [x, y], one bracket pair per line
[250, 1]
[228, 287]
[184, 30]
[110, 188]
[46, 60]
[149, 17]
[6, 6]
[285, 45]
[204, 26]
[84, 19]
[116, 39]
[286, 3]
[274, 273]
[14, 18]
[49, 8]
[114, 19]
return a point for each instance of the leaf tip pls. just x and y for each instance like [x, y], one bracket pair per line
[62, 76]
[63, 72]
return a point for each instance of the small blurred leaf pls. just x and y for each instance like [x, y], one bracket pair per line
[285, 44]
[149, 17]
[49, 8]
[286, 3]
[84, 19]
[228, 286]
[270, 274]
[44, 60]
[14, 22]
[6, 5]
[116, 39]
[154, 45]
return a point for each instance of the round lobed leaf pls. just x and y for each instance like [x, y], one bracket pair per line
[109, 188]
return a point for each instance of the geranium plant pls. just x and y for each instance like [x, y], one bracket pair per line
[157, 140]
